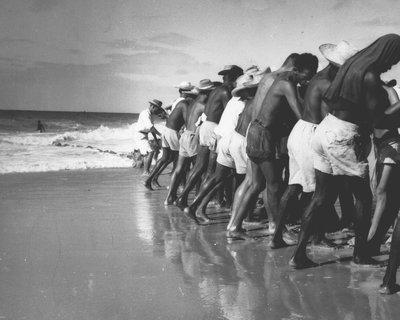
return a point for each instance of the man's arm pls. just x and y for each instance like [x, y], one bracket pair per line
[290, 93]
[375, 94]
[393, 99]
[225, 97]
[154, 131]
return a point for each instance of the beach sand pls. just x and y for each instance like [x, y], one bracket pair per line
[97, 245]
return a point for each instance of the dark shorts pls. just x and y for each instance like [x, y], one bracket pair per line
[261, 144]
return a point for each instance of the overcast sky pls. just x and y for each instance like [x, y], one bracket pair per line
[115, 55]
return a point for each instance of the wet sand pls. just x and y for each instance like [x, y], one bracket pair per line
[97, 245]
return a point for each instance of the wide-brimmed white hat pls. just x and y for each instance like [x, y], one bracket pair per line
[184, 85]
[252, 70]
[245, 81]
[205, 84]
[338, 53]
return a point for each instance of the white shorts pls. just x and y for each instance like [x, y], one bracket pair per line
[340, 148]
[207, 135]
[232, 152]
[170, 139]
[224, 158]
[188, 144]
[301, 167]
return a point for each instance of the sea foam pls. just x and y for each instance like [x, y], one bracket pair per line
[102, 147]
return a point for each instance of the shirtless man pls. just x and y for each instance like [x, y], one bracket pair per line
[356, 99]
[170, 136]
[189, 141]
[239, 212]
[231, 147]
[264, 132]
[207, 155]
[301, 169]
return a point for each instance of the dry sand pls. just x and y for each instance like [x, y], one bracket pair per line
[97, 245]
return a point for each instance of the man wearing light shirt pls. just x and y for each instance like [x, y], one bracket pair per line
[144, 127]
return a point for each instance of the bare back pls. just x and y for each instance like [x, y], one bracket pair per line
[280, 100]
[194, 111]
[177, 117]
[315, 109]
[217, 101]
[262, 90]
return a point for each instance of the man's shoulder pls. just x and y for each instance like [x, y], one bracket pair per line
[284, 82]
[181, 104]
[198, 104]
[321, 83]
[371, 79]
[222, 90]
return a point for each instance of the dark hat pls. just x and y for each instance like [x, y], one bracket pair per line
[233, 69]
[156, 103]
[391, 83]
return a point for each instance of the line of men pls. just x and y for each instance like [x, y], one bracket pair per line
[240, 129]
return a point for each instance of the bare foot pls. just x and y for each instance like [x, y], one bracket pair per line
[366, 262]
[237, 235]
[389, 289]
[324, 243]
[147, 184]
[278, 243]
[302, 263]
[192, 216]
[200, 212]
[169, 201]
[290, 238]
[181, 204]
[146, 173]
[155, 183]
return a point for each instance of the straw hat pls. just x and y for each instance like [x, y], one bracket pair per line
[185, 86]
[234, 69]
[205, 84]
[245, 81]
[252, 70]
[156, 103]
[337, 54]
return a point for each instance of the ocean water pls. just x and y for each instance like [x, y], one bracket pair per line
[73, 140]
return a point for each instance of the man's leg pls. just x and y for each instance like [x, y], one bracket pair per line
[387, 207]
[389, 280]
[274, 186]
[212, 165]
[324, 195]
[285, 206]
[147, 162]
[245, 200]
[194, 176]
[201, 210]
[173, 156]
[362, 193]
[160, 163]
[181, 165]
[213, 183]
[240, 190]
[346, 204]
